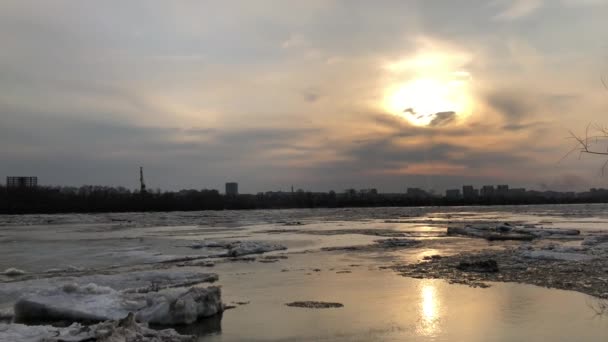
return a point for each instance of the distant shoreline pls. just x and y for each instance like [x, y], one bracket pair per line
[241, 203]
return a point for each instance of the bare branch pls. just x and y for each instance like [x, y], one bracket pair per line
[591, 144]
[586, 147]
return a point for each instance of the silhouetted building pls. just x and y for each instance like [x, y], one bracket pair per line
[517, 192]
[452, 194]
[502, 190]
[487, 191]
[468, 192]
[368, 192]
[21, 182]
[416, 193]
[232, 189]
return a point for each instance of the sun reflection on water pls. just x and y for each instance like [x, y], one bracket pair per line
[429, 310]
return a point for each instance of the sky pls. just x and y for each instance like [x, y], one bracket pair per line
[318, 94]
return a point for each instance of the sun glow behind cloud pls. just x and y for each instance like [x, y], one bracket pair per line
[429, 88]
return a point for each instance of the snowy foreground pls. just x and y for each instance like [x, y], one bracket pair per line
[124, 330]
[116, 310]
[131, 279]
[114, 307]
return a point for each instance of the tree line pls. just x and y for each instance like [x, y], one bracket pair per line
[118, 199]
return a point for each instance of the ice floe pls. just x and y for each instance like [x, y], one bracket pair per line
[93, 303]
[123, 330]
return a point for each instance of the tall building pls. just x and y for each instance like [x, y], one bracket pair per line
[502, 190]
[452, 194]
[468, 192]
[487, 191]
[21, 182]
[232, 189]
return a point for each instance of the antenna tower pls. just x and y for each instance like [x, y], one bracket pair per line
[142, 185]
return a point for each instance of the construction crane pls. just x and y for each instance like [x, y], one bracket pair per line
[142, 185]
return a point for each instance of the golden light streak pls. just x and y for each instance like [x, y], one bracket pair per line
[429, 310]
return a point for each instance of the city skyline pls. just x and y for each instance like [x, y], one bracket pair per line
[326, 94]
[464, 191]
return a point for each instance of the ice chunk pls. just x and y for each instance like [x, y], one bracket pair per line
[241, 248]
[13, 272]
[510, 232]
[87, 289]
[6, 315]
[124, 330]
[75, 304]
[488, 233]
[137, 281]
[25, 333]
[208, 244]
[544, 232]
[593, 240]
[178, 307]
[394, 243]
[92, 303]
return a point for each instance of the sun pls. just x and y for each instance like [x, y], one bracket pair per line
[429, 101]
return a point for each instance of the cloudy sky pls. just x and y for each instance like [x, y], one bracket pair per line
[321, 94]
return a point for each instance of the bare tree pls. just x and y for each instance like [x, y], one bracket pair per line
[595, 140]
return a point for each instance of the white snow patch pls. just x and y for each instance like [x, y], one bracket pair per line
[134, 282]
[87, 289]
[13, 272]
[75, 306]
[92, 303]
[125, 330]
[178, 307]
[241, 248]
[208, 244]
[6, 314]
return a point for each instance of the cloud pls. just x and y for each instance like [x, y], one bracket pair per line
[273, 91]
[513, 105]
[442, 118]
[516, 9]
[433, 169]
[294, 41]
[584, 2]
[520, 127]
[311, 95]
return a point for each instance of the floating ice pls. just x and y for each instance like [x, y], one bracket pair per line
[509, 232]
[208, 244]
[75, 305]
[593, 240]
[124, 330]
[178, 307]
[241, 248]
[93, 303]
[132, 282]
